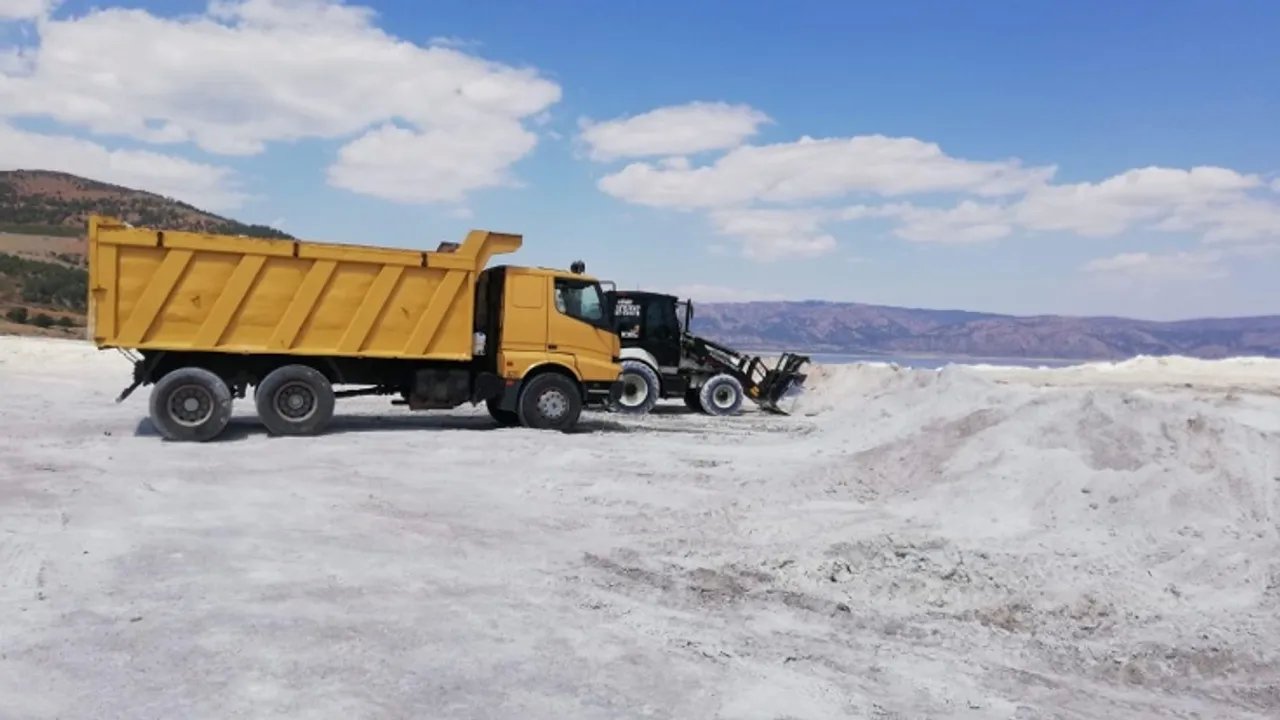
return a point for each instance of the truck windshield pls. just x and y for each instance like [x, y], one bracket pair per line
[581, 300]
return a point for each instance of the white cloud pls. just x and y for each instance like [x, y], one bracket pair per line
[773, 234]
[1178, 266]
[811, 170]
[26, 9]
[676, 130]
[718, 293]
[248, 73]
[452, 42]
[1209, 201]
[208, 187]
[1122, 201]
[968, 222]
[781, 200]
[436, 165]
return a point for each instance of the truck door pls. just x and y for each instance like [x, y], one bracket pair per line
[579, 323]
[524, 323]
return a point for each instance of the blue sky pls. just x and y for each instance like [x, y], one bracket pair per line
[1022, 157]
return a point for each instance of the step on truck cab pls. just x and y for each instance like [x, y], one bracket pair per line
[206, 317]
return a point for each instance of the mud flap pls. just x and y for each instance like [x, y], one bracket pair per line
[487, 386]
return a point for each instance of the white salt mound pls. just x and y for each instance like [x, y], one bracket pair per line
[1101, 541]
[1125, 515]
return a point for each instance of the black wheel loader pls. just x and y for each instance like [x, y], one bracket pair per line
[662, 358]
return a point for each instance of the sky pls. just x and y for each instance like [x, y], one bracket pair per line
[1083, 158]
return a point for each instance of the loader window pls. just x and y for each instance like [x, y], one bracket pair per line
[582, 301]
[660, 322]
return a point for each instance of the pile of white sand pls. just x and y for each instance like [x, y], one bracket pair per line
[979, 542]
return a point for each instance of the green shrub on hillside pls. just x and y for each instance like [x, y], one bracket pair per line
[29, 229]
[45, 283]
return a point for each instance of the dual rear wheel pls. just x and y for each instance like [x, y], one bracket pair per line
[193, 404]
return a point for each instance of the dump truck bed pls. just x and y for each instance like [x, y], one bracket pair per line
[166, 290]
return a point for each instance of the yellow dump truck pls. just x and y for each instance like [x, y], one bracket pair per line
[205, 317]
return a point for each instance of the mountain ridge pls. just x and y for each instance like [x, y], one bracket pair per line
[45, 272]
[47, 202]
[43, 218]
[865, 329]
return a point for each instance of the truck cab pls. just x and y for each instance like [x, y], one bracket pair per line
[543, 326]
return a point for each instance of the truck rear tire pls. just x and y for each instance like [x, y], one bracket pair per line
[295, 400]
[721, 395]
[190, 404]
[550, 402]
[641, 389]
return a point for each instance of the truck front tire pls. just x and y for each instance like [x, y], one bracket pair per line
[550, 401]
[295, 400]
[190, 404]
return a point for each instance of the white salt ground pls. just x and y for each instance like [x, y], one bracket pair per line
[1092, 542]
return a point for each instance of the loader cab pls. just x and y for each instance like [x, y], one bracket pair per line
[651, 322]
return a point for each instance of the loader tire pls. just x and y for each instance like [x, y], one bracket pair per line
[295, 400]
[550, 401]
[721, 395]
[190, 404]
[641, 389]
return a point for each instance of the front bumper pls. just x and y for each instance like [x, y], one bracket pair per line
[594, 393]
[598, 393]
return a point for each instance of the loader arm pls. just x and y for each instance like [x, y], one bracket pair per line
[766, 386]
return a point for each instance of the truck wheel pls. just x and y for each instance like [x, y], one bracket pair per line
[190, 404]
[295, 400]
[640, 390]
[721, 395]
[506, 418]
[550, 402]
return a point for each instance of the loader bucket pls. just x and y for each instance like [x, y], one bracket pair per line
[786, 401]
[782, 386]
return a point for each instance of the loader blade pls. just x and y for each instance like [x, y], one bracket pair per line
[784, 396]
[784, 384]
[790, 398]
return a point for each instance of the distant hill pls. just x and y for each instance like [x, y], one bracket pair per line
[43, 283]
[854, 328]
[40, 202]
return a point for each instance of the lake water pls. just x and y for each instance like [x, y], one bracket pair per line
[933, 362]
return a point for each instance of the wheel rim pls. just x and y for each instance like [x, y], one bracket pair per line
[634, 391]
[553, 404]
[723, 396]
[190, 405]
[295, 402]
